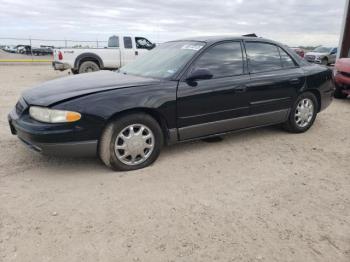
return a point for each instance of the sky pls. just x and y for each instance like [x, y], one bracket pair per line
[293, 22]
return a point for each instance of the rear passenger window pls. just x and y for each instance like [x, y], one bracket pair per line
[287, 61]
[127, 42]
[263, 57]
[222, 60]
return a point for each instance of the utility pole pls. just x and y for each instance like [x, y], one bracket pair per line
[344, 41]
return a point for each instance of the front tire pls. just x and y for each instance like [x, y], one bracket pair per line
[88, 66]
[303, 113]
[131, 142]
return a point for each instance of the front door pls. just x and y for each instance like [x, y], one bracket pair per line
[206, 107]
[142, 45]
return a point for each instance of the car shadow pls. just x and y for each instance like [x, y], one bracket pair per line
[91, 164]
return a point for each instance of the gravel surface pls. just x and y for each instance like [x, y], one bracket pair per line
[260, 195]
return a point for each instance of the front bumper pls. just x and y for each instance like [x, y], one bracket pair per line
[316, 61]
[60, 66]
[341, 79]
[45, 139]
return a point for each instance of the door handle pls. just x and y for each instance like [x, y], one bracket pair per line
[294, 81]
[240, 89]
[136, 53]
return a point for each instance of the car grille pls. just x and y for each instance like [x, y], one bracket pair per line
[345, 74]
[310, 57]
[21, 106]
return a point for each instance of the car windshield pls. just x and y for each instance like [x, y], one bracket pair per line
[164, 61]
[322, 49]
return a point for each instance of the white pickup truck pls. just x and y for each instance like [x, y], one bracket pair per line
[119, 52]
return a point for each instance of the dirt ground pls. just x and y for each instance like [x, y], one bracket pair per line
[260, 195]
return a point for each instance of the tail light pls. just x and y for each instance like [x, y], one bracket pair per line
[60, 56]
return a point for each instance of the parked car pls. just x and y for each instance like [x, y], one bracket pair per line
[10, 49]
[342, 78]
[42, 51]
[322, 55]
[24, 49]
[120, 51]
[299, 51]
[180, 91]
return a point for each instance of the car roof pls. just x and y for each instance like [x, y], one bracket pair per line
[214, 39]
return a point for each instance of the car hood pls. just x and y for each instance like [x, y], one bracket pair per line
[66, 88]
[316, 53]
[343, 65]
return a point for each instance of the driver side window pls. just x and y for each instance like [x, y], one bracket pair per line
[143, 43]
[222, 60]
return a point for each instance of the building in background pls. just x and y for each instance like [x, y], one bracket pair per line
[344, 41]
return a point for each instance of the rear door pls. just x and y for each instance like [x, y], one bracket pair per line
[207, 107]
[128, 52]
[275, 80]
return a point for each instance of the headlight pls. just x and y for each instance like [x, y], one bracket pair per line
[48, 115]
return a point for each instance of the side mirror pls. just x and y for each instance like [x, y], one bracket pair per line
[199, 74]
[152, 46]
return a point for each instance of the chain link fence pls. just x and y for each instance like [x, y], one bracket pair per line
[33, 49]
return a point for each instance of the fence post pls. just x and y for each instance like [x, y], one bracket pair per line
[31, 49]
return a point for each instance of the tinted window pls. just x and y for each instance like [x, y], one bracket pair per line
[127, 42]
[222, 60]
[113, 41]
[287, 61]
[263, 57]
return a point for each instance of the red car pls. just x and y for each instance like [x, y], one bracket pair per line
[342, 78]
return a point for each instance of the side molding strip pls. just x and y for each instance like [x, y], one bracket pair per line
[228, 125]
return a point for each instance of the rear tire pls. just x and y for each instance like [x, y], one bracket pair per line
[88, 66]
[338, 93]
[119, 148]
[302, 114]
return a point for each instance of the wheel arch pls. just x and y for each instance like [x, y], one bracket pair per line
[88, 57]
[149, 111]
[317, 94]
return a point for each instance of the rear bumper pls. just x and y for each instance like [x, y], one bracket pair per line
[326, 99]
[48, 142]
[60, 66]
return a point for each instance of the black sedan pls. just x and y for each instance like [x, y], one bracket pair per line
[182, 90]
